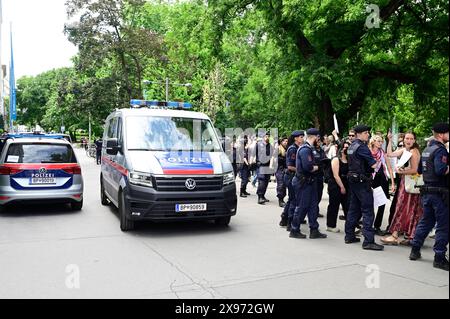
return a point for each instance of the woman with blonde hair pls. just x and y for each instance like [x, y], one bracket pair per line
[380, 177]
[408, 210]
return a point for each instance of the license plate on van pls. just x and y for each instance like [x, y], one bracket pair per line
[190, 207]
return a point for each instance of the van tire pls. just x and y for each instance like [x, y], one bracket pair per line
[77, 206]
[223, 221]
[125, 223]
[103, 197]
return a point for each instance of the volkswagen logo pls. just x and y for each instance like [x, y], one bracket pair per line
[190, 184]
[42, 170]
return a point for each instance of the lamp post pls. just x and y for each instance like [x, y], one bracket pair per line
[166, 83]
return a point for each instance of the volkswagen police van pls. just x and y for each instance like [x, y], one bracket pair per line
[162, 162]
[39, 168]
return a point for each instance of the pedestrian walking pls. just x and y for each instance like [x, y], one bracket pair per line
[281, 187]
[264, 153]
[380, 177]
[408, 210]
[338, 188]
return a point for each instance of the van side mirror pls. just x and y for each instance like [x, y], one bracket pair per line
[112, 146]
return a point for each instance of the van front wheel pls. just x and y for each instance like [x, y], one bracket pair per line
[103, 197]
[223, 221]
[125, 223]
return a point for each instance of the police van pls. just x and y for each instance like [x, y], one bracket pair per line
[162, 162]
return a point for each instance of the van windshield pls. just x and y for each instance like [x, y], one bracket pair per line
[150, 133]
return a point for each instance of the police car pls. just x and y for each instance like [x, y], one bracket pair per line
[162, 162]
[39, 168]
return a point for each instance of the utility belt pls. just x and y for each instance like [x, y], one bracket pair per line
[358, 178]
[443, 191]
[289, 175]
[303, 179]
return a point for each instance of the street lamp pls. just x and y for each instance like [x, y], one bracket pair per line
[166, 83]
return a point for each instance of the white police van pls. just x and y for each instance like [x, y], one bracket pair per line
[161, 162]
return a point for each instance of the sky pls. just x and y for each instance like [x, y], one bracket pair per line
[38, 40]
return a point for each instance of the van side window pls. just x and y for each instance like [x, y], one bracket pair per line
[119, 131]
[112, 128]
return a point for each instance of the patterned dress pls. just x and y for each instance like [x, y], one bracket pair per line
[407, 212]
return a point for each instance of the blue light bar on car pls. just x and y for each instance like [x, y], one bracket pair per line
[160, 104]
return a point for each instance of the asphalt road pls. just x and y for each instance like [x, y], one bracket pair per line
[51, 252]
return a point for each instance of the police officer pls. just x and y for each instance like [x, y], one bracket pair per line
[434, 167]
[361, 165]
[245, 167]
[291, 155]
[321, 160]
[305, 184]
[264, 152]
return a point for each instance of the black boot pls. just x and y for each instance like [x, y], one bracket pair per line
[316, 234]
[297, 234]
[261, 201]
[283, 222]
[265, 199]
[440, 263]
[415, 254]
[242, 194]
[246, 193]
[372, 246]
[288, 227]
[281, 203]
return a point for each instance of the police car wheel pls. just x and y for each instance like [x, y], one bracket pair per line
[223, 221]
[125, 223]
[77, 206]
[104, 199]
[2, 209]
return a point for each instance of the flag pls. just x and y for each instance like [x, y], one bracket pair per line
[12, 88]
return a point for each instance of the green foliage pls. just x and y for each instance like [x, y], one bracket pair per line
[252, 63]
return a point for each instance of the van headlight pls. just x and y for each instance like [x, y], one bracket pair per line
[228, 178]
[141, 179]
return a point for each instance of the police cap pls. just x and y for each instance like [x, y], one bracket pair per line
[298, 133]
[440, 128]
[361, 128]
[313, 131]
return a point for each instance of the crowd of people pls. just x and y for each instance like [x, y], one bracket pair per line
[352, 167]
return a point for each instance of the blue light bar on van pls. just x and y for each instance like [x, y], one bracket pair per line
[160, 104]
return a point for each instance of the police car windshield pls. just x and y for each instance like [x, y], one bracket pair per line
[150, 133]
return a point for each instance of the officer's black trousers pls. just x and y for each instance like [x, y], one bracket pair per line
[245, 174]
[263, 182]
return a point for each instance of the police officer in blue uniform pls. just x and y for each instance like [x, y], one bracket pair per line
[305, 184]
[434, 168]
[360, 166]
[321, 160]
[264, 152]
[286, 217]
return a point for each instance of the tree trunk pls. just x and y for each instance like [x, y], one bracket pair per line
[325, 115]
